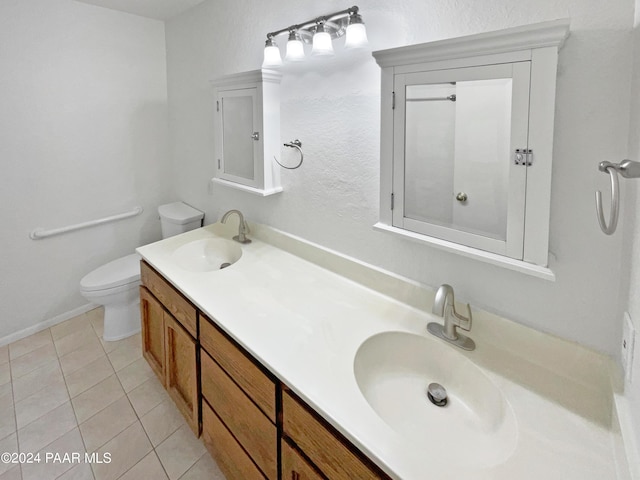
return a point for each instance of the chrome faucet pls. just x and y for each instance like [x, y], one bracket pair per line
[243, 228]
[444, 306]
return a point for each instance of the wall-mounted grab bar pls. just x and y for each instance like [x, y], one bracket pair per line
[39, 233]
[626, 168]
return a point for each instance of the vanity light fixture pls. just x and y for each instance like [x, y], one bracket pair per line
[320, 33]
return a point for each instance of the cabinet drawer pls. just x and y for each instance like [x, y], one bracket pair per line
[333, 457]
[172, 300]
[240, 367]
[242, 417]
[294, 467]
[232, 460]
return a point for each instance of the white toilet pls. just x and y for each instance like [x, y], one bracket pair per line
[115, 284]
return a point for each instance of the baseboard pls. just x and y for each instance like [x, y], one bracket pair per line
[46, 324]
[629, 440]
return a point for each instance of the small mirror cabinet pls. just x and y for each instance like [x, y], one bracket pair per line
[247, 131]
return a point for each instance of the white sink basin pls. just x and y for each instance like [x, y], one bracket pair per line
[207, 254]
[476, 428]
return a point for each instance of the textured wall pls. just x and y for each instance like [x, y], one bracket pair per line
[83, 129]
[333, 107]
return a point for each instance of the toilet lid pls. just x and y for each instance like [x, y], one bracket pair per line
[113, 274]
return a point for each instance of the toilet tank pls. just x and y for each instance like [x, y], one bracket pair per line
[178, 218]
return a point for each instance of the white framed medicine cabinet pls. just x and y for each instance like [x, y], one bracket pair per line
[467, 143]
[247, 131]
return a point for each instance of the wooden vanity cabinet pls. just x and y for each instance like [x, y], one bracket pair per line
[169, 327]
[329, 451]
[254, 426]
[242, 398]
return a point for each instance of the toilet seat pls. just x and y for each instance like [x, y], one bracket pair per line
[122, 272]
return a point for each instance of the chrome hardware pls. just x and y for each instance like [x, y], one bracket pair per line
[462, 197]
[293, 144]
[255, 136]
[243, 228]
[444, 306]
[437, 394]
[626, 168]
[523, 156]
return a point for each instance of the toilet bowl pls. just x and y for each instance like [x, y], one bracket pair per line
[115, 284]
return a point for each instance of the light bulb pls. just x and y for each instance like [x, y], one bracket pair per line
[271, 55]
[356, 33]
[295, 48]
[322, 44]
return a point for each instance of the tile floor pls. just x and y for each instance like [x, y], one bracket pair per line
[64, 390]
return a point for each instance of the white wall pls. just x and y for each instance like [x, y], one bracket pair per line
[333, 108]
[83, 128]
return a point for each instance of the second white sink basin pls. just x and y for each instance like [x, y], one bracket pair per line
[476, 428]
[207, 254]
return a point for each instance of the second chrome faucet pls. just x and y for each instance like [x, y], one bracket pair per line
[444, 306]
[243, 228]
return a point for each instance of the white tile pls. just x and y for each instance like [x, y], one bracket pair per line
[126, 449]
[204, 469]
[107, 423]
[135, 374]
[98, 397]
[179, 452]
[46, 429]
[70, 326]
[5, 374]
[148, 395]
[162, 421]
[36, 380]
[7, 415]
[127, 353]
[70, 443]
[80, 338]
[81, 471]
[8, 444]
[149, 468]
[88, 376]
[81, 357]
[30, 361]
[13, 474]
[40, 403]
[29, 344]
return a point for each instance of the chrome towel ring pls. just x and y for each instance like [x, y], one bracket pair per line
[293, 144]
[626, 168]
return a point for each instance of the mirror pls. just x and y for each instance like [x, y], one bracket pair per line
[457, 144]
[237, 133]
[466, 143]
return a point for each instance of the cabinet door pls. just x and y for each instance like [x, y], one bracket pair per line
[240, 135]
[181, 380]
[294, 467]
[152, 318]
[454, 175]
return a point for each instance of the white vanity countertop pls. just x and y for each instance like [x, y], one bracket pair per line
[306, 323]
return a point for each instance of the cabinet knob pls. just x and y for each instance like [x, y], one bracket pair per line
[255, 136]
[461, 197]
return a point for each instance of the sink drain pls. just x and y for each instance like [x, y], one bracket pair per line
[437, 394]
[224, 265]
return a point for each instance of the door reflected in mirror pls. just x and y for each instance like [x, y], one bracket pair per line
[457, 152]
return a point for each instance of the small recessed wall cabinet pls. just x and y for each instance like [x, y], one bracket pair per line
[467, 143]
[247, 131]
